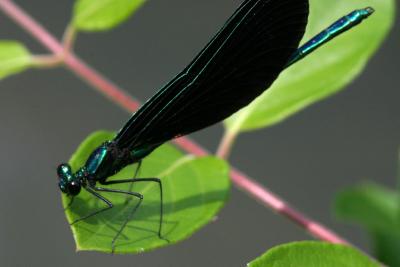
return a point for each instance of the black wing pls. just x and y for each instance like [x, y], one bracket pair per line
[237, 65]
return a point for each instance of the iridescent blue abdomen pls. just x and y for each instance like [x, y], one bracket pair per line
[343, 24]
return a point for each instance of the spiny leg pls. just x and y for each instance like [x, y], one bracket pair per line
[139, 164]
[155, 180]
[109, 204]
[70, 203]
[140, 196]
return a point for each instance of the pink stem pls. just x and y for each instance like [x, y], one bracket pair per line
[272, 201]
[107, 88]
[79, 67]
[120, 97]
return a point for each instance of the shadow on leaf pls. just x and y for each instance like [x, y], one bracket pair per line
[144, 223]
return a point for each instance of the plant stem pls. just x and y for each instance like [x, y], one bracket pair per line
[79, 67]
[120, 97]
[225, 147]
[69, 39]
[101, 84]
[47, 61]
[269, 199]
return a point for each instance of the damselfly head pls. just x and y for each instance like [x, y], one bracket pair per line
[68, 183]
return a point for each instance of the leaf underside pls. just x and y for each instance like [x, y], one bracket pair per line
[324, 72]
[101, 15]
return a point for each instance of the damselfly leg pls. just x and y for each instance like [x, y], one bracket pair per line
[131, 213]
[136, 180]
[71, 201]
[94, 191]
[137, 170]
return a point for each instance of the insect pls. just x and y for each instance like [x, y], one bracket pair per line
[244, 58]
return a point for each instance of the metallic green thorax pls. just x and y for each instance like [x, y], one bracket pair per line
[343, 24]
[105, 161]
[95, 159]
[108, 159]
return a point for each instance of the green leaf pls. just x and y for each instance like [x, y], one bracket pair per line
[14, 58]
[195, 189]
[370, 205]
[324, 72]
[313, 254]
[100, 15]
[386, 246]
[377, 209]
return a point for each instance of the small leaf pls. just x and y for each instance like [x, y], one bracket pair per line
[370, 205]
[14, 58]
[100, 15]
[313, 254]
[324, 72]
[194, 191]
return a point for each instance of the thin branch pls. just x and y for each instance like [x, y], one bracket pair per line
[120, 97]
[101, 84]
[269, 199]
[69, 39]
[31, 26]
[47, 61]
[79, 67]
[225, 147]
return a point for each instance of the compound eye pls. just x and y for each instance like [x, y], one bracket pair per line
[62, 187]
[64, 170]
[74, 188]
